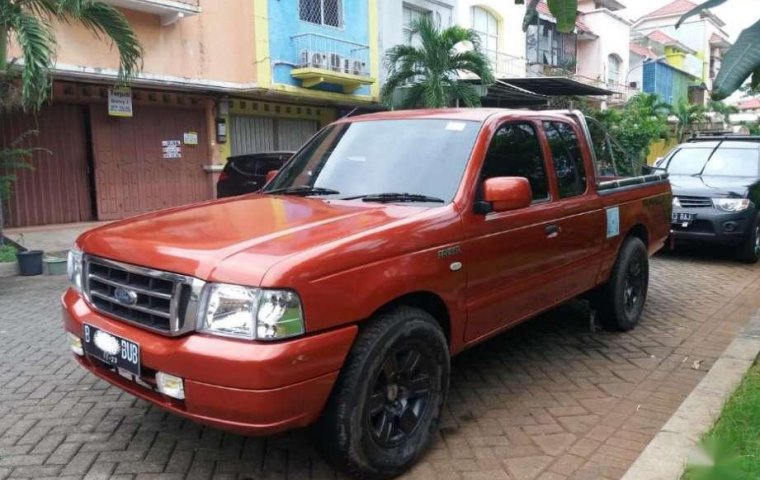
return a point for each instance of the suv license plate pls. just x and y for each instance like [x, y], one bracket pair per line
[683, 218]
[114, 351]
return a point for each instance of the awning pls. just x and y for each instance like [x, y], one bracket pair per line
[555, 86]
[502, 94]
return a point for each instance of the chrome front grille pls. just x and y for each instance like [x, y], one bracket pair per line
[162, 302]
[695, 202]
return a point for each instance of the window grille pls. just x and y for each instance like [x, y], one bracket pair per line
[411, 15]
[321, 12]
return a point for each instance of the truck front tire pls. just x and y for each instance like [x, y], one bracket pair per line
[387, 403]
[620, 302]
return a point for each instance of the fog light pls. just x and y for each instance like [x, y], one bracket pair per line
[729, 227]
[75, 344]
[170, 385]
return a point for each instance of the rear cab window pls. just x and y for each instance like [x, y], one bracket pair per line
[566, 158]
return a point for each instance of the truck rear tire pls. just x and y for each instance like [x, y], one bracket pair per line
[387, 403]
[749, 249]
[620, 301]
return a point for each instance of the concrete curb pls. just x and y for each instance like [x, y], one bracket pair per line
[666, 455]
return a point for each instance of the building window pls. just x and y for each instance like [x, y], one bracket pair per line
[547, 46]
[486, 26]
[614, 65]
[321, 12]
[410, 16]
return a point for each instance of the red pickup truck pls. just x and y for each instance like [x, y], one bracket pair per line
[337, 295]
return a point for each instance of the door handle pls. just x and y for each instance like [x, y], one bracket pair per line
[552, 231]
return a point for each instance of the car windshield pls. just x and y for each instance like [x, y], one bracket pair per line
[424, 157]
[730, 162]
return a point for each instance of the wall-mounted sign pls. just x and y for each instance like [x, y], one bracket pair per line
[120, 102]
[191, 138]
[171, 149]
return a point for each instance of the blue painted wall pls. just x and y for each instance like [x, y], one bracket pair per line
[284, 23]
[671, 84]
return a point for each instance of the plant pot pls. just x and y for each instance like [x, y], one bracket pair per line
[8, 269]
[54, 266]
[30, 262]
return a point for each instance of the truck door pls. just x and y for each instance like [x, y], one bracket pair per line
[510, 255]
[580, 222]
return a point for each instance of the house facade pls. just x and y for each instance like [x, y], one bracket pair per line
[603, 53]
[695, 49]
[218, 79]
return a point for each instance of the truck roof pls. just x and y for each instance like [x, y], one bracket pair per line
[467, 114]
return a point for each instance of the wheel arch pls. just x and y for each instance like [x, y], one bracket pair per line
[424, 300]
[639, 231]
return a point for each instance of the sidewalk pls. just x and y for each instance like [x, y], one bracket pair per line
[49, 238]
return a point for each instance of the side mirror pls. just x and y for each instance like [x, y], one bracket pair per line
[507, 193]
[271, 174]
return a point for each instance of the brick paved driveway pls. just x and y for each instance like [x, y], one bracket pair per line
[548, 400]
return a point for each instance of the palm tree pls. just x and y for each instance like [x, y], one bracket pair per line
[430, 73]
[29, 22]
[687, 115]
[723, 110]
[649, 103]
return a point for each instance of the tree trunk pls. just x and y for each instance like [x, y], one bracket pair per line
[3, 48]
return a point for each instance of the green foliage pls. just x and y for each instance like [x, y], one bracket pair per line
[7, 253]
[687, 115]
[13, 158]
[429, 74]
[565, 12]
[731, 450]
[643, 120]
[29, 22]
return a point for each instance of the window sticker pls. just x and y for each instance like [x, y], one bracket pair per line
[456, 126]
[613, 222]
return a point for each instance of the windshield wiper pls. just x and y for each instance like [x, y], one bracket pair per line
[396, 197]
[303, 190]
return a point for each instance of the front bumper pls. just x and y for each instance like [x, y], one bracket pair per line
[251, 388]
[714, 226]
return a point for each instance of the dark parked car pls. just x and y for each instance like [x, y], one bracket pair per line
[247, 173]
[716, 192]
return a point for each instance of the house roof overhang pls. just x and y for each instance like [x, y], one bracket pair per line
[556, 86]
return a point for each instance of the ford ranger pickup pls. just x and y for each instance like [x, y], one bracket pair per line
[336, 296]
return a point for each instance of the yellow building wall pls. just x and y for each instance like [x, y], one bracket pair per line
[660, 148]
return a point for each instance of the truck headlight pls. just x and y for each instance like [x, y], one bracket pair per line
[731, 204]
[74, 269]
[250, 313]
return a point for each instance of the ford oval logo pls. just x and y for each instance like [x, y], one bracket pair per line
[125, 296]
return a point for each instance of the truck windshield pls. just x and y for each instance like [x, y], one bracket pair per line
[422, 157]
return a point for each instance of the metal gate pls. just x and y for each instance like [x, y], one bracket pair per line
[134, 174]
[57, 190]
[249, 134]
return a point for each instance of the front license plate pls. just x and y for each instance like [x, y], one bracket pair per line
[683, 218]
[114, 351]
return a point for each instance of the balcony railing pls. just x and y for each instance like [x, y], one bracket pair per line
[325, 59]
[504, 65]
[333, 54]
[170, 11]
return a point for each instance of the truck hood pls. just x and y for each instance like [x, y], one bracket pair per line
[711, 186]
[257, 231]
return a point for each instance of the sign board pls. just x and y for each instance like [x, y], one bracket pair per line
[191, 138]
[171, 149]
[120, 102]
